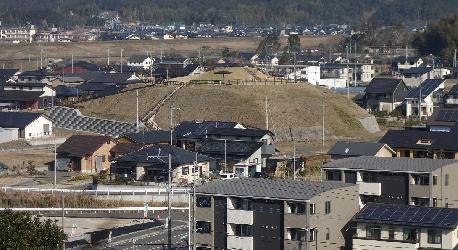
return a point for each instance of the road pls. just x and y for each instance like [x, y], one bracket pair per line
[154, 238]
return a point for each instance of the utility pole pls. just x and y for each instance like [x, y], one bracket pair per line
[354, 81]
[121, 59]
[267, 114]
[72, 64]
[348, 79]
[169, 219]
[161, 52]
[419, 103]
[137, 120]
[294, 162]
[41, 59]
[454, 59]
[63, 209]
[225, 156]
[171, 123]
[322, 116]
[55, 164]
[194, 209]
[108, 58]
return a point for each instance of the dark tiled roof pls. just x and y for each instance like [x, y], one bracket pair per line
[137, 58]
[194, 129]
[26, 84]
[234, 149]
[278, 189]
[453, 90]
[19, 95]
[6, 74]
[408, 139]
[238, 132]
[17, 119]
[149, 137]
[431, 217]
[125, 148]
[35, 73]
[427, 87]
[383, 85]
[416, 70]
[443, 117]
[347, 148]
[146, 155]
[402, 164]
[82, 145]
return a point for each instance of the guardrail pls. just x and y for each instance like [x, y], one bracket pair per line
[112, 209]
[99, 192]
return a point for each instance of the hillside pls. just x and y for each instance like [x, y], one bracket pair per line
[257, 12]
[295, 110]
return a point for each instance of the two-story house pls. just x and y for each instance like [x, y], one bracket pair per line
[407, 181]
[387, 226]
[422, 98]
[384, 94]
[258, 214]
[140, 61]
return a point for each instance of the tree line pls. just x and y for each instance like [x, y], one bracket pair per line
[63, 13]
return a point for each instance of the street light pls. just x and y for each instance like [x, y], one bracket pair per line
[172, 108]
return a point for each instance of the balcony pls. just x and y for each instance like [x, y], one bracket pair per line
[239, 217]
[239, 242]
[420, 191]
[367, 188]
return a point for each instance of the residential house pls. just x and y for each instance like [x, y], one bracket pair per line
[121, 149]
[151, 164]
[345, 149]
[190, 134]
[406, 181]
[47, 93]
[20, 100]
[424, 97]
[414, 143]
[27, 125]
[85, 153]
[17, 34]
[36, 76]
[274, 214]
[451, 99]
[406, 62]
[384, 94]
[443, 119]
[387, 226]
[140, 61]
[414, 76]
[148, 137]
[9, 75]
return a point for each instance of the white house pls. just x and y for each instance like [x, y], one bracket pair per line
[29, 125]
[143, 61]
[426, 92]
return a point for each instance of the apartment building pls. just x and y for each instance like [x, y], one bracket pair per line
[404, 181]
[384, 226]
[17, 34]
[255, 213]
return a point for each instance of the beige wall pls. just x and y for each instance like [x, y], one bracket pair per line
[344, 205]
[88, 163]
[446, 194]
[384, 152]
[178, 177]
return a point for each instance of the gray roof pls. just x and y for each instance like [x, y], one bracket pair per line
[278, 189]
[137, 58]
[17, 119]
[347, 148]
[427, 87]
[402, 164]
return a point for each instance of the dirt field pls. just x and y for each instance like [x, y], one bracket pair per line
[295, 110]
[26, 55]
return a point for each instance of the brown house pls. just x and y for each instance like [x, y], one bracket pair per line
[85, 153]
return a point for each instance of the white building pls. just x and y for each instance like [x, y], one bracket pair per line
[17, 34]
[426, 92]
[29, 125]
[143, 61]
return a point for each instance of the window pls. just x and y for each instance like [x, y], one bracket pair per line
[434, 202]
[333, 175]
[298, 234]
[327, 207]
[297, 208]
[312, 236]
[422, 180]
[434, 236]
[446, 180]
[328, 234]
[243, 204]
[312, 208]
[243, 230]
[373, 232]
[391, 233]
[184, 170]
[103, 158]
[410, 234]
[370, 177]
[435, 180]
[203, 201]
[203, 227]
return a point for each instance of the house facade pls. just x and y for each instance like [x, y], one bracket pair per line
[423, 98]
[382, 226]
[253, 213]
[405, 181]
[384, 94]
[28, 125]
[140, 61]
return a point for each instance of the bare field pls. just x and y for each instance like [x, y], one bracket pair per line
[18, 55]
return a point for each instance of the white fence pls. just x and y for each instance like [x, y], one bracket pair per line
[109, 192]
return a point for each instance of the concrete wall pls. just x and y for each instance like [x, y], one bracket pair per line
[446, 194]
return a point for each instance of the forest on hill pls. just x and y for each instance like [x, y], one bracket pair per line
[66, 13]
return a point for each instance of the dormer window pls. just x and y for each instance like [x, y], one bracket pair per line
[424, 141]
